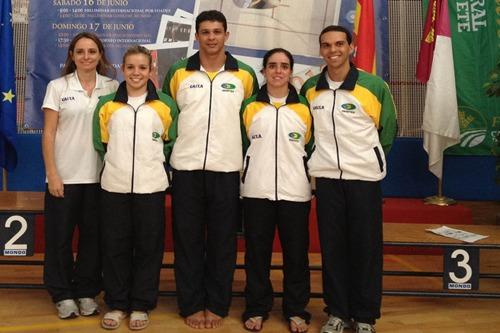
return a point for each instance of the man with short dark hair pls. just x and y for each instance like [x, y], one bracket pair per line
[209, 88]
[354, 127]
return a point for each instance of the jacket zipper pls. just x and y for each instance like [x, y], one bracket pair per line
[335, 134]
[133, 146]
[133, 150]
[276, 158]
[209, 118]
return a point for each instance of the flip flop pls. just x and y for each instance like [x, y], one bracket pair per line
[115, 316]
[254, 320]
[138, 317]
[298, 322]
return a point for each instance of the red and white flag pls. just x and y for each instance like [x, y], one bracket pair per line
[435, 67]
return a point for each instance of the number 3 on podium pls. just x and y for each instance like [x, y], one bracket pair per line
[461, 268]
[16, 234]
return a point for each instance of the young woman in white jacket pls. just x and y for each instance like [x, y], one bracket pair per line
[277, 134]
[134, 130]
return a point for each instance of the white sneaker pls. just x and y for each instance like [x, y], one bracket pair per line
[88, 306]
[67, 309]
[364, 328]
[333, 325]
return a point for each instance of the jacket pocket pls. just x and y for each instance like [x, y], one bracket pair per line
[379, 159]
[306, 169]
[247, 163]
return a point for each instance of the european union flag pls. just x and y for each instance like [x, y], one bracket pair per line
[8, 131]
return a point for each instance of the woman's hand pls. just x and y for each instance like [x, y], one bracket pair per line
[56, 186]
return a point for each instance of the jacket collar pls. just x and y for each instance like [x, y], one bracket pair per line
[122, 95]
[194, 63]
[349, 81]
[263, 96]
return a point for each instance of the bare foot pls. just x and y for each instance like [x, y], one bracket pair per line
[113, 319]
[196, 320]
[254, 323]
[139, 320]
[212, 320]
[298, 325]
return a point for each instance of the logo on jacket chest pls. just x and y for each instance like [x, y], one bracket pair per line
[228, 87]
[318, 107]
[294, 136]
[348, 108]
[68, 98]
[256, 136]
[195, 86]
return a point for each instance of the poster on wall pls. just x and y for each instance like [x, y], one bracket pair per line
[256, 26]
[167, 29]
[162, 26]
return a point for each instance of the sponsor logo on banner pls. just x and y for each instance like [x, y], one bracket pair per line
[473, 127]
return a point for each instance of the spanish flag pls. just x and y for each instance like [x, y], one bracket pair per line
[364, 37]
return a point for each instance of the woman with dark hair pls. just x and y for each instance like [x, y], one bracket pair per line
[276, 193]
[72, 169]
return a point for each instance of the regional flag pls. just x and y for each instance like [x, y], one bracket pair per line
[427, 43]
[8, 131]
[435, 67]
[364, 37]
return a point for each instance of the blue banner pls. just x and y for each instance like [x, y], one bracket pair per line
[157, 24]
[8, 131]
[167, 28]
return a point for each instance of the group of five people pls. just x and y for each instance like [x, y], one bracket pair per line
[223, 138]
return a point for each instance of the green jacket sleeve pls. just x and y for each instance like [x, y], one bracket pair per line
[172, 129]
[388, 120]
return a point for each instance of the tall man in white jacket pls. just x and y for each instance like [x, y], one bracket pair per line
[209, 88]
[354, 127]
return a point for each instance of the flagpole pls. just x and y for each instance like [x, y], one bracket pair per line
[439, 199]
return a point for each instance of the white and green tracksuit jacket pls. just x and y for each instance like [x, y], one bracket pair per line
[276, 142]
[209, 135]
[353, 126]
[134, 143]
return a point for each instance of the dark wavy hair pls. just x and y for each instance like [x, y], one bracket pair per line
[269, 53]
[337, 28]
[104, 67]
[211, 15]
